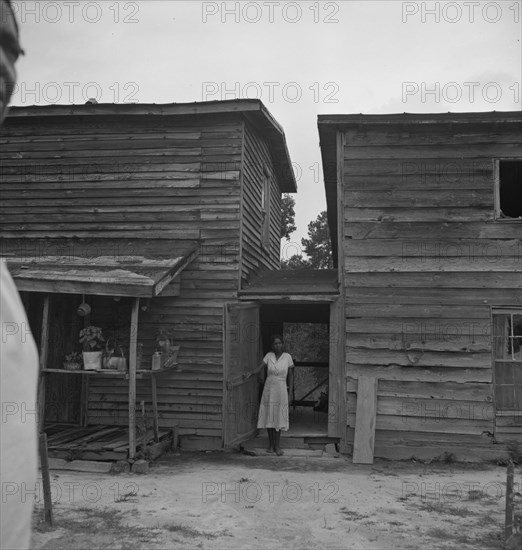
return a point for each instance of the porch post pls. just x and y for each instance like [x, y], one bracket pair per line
[44, 351]
[133, 347]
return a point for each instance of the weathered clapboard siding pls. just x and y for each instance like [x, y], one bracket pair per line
[418, 236]
[176, 179]
[255, 257]
[422, 261]
[153, 181]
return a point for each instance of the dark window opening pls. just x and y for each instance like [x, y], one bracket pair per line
[510, 188]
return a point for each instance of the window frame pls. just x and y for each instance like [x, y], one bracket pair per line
[497, 312]
[498, 214]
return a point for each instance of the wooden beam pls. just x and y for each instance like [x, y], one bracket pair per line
[337, 373]
[133, 347]
[301, 298]
[171, 275]
[154, 391]
[364, 438]
[46, 479]
[82, 287]
[44, 351]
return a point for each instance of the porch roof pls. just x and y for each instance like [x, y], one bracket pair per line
[135, 276]
[293, 284]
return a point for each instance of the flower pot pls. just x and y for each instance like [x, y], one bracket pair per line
[92, 360]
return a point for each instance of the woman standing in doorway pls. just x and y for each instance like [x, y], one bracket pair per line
[273, 410]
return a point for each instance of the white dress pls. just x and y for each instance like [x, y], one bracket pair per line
[273, 410]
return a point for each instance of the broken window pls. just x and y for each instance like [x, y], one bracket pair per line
[509, 189]
[507, 350]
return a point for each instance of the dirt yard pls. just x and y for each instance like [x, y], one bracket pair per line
[221, 500]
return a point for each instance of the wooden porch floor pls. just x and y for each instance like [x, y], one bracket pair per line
[103, 443]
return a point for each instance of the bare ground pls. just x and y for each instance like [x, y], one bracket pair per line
[223, 500]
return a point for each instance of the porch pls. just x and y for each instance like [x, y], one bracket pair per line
[104, 443]
[61, 296]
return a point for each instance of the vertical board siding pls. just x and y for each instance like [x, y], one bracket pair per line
[424, 260]
[254, 256]
[152, 186]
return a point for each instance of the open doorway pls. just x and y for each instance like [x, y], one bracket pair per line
[308, 344]
[305, 330]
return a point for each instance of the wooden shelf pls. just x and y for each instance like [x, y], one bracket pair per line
[142, 373]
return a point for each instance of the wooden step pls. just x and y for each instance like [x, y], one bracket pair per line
[286, 443]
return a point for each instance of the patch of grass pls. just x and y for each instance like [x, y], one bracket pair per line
[492, 541]
[446, 509]
[190, 532]
[105, 522]
[351, 515]
[131, 496]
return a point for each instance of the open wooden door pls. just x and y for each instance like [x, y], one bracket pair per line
[337, 373]
[243, 354]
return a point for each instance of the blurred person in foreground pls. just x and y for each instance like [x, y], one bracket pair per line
[18, 359]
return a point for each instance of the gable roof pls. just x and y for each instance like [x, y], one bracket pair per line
[252, 109]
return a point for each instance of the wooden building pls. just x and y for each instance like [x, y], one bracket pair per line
[425, 214]
[163, 210]
[165, 219]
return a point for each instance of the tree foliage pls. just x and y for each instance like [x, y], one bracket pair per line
[317, 247]
[288, 216]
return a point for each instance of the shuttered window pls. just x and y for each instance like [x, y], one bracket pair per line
[265, 209]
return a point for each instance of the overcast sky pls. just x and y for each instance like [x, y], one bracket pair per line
[300, 58]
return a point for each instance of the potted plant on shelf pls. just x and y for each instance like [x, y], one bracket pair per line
[73, 361]
[91, 338]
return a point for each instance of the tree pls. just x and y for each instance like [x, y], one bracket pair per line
[288, 216]
[318, 247]
[295, 262]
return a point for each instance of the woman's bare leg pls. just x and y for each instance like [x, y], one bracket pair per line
[277, 438]
[271, 439]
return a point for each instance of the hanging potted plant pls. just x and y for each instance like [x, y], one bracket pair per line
[91, 338]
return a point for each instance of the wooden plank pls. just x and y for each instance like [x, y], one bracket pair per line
[439, 264]
[428, 296]
[394, 198]
[429, 424]
[364, 439]
[440, 230]
[421, 374]
[451, 391]
[44, 350]
[46, 479]
[337, 376]
[154, 391]
[133, 345]
[418, 358]
[412, 152]
[437, 246]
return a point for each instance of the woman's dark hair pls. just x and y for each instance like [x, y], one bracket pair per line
[275, 337]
